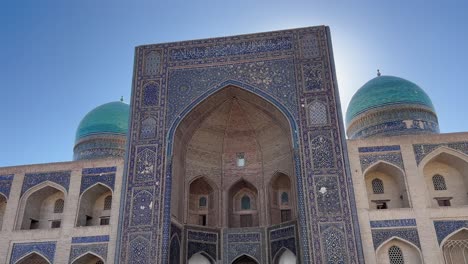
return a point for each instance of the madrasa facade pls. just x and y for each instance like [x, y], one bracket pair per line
[234, 150]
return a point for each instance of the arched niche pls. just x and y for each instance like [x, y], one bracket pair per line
[174, 250]
[95, 206]
[38, 207]
[398, 251]
[201, 258]
[386, 186]
[281, 199]
[33, 258]
[244, 259]
[231, 135]
[88, 258]
[243, 205]
[285, 256]
[203, 203]
[455, 248]
[3, 204]
[450, 168]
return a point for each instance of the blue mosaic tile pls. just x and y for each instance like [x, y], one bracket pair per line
[90, 239]
[422, 150]
[202, 236]
[394, 158]
[194, 247]
[393, 223]
[234, 49]
[334, 239]
[174, 251]
[195, 72]
[5, 184]
[20, 250]
[282, 237]
[284, 232]
[98, 170]
[77, 251]
[32, 179]
[379, 236]
[91, 176]
[445, 228]
[379, 148]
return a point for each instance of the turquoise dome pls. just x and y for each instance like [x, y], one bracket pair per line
[386, 91]
[110, 118]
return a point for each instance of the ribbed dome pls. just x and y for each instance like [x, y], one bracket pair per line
[110, 118]
[388, 105]
[102, 132]
[385, 91]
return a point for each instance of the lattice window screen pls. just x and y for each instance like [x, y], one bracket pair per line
[318, 113]
[439, 182]
[108, 202]
[395, 255]
[377, 186]
[58, 206]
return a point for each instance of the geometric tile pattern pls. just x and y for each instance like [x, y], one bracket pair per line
[445, 228]
[393, 223]
[5, 184]
[285, 68]
[379, 236]
[32, 179]
[77, 251]
[282, 236]
[45, 249]
[105, 176]
[202, 240]
[391, 157]
[422, 150]
[90, 239]
[240, 241]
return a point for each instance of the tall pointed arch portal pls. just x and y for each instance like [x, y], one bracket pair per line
[235, 111]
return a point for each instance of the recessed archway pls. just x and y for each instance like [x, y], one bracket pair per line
[202, 202]
[446, 176]
[285, 256]
[232, 136]
[455, 247]
[386, 186]
[244, 259]
[41, 207]
[3, 204]
[95, 206]
[33, 258]
[88, 258]
[398, 251]
[201, 258]
[281, 199]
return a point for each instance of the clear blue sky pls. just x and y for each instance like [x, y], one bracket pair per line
[60, 59]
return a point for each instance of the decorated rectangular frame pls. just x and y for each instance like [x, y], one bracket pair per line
[291, 69]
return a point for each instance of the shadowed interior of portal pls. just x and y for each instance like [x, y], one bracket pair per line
[232, 163]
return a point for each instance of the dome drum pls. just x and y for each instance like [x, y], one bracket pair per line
[99, 146]
[389, 121]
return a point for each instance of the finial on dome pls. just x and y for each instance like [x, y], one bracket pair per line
[121, 98]
[378, 73]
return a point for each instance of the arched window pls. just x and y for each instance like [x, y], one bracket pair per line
[58, 206]
[245, 203]
[108, 202]
[377, 186]
[202, 202]
[395, 255]
[439, 182]
[284, 198]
